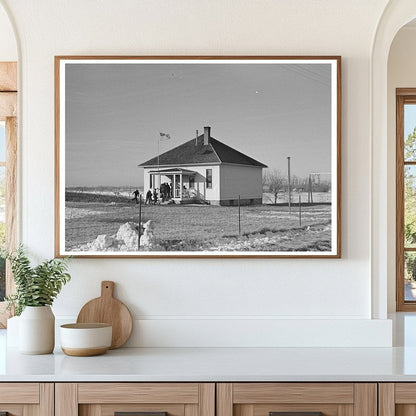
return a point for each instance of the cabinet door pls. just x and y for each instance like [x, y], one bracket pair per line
[397, 399]
[142, 399]
[26, 399]
[297, 399]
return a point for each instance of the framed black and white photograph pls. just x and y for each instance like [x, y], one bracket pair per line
[198, 156]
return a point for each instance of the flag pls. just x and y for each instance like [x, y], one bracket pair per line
[164, 136]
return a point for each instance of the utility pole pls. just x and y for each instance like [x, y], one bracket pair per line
[288, 185]
[158, 161]
[310, 192]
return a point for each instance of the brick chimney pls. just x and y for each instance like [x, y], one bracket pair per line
[207, 135]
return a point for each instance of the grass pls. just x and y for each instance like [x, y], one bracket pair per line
[188, 228]
[93, 197]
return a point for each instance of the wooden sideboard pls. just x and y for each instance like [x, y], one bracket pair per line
[208, 399]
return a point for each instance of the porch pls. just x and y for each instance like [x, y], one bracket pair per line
[175, 184]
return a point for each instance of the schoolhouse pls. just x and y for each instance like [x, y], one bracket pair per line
[205, 170]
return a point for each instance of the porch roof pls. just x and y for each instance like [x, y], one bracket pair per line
[174, 171]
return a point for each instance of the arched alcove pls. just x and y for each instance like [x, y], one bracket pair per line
[396, 15]
[401, 73]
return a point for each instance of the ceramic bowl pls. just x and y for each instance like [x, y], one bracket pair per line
[83, 340]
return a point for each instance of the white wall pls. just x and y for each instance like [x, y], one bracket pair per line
[241, 180]
[224, 301]
[8, 46]
[401, 73]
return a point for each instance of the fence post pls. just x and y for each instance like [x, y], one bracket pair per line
[140, 222]
[288, 186]
[300, 211]
[239, 217]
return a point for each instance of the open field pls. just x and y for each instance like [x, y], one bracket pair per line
[203, 228]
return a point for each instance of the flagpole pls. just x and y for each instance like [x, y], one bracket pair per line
[158, 157]
[158, 153]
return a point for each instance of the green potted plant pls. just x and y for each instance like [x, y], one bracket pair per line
[36, 289]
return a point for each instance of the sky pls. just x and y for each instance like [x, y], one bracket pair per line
[409, 119]
[409, 125]
[115, 112]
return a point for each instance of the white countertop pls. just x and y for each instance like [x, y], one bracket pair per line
[215, 364]
[221, 364]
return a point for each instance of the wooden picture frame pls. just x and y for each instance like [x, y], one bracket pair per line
[236, 156]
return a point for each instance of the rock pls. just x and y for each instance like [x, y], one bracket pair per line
[126, 239]
[147, 239]
[102, 243]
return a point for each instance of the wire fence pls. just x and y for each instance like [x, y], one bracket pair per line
[187, 226]
[184, 226]
[306, 197]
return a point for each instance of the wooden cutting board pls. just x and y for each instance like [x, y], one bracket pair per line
[108, 310]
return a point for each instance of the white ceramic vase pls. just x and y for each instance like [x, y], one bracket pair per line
[37, 330]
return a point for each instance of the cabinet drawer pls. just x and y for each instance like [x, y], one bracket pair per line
[138, 393]
[297, 399]
[19, 393]
[147, 399]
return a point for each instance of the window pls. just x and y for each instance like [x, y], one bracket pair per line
[406, 200]
[8, 165]
[191, 182]
[208, 176]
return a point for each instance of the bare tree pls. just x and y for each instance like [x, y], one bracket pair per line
[274, 181]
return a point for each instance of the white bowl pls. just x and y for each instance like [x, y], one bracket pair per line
[84, 340]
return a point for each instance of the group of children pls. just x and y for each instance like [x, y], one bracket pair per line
[152, 197]
[164, 193]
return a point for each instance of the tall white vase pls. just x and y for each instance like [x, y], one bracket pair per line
[37, 330]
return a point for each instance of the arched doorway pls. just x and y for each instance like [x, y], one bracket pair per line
[396, 15]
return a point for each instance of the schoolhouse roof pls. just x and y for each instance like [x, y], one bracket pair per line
[194, 152]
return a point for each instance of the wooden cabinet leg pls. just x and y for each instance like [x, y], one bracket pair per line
[66, 399]
[386, 399]
[224, 399]
[47, 399]
[365, 399]
[207, 399]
